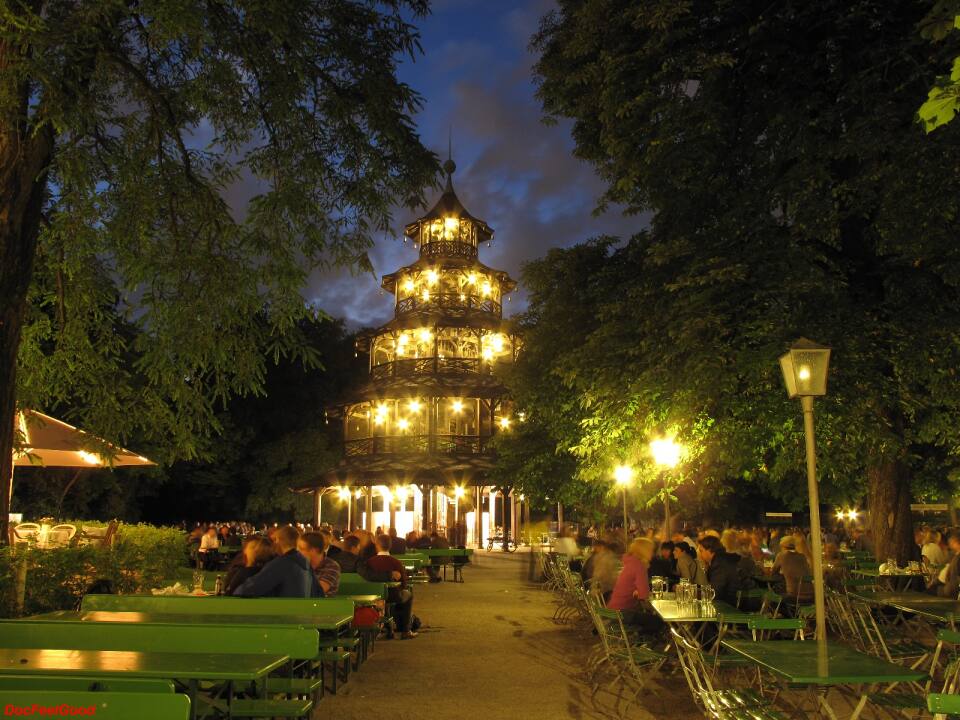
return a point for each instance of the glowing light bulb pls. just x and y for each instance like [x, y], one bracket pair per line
[458, 491]
[344, 493]
[415, 406]
[486, 288]
[432, 276]
[451, 224]
[89, 457]
[803, 373]
[457, 406]
[403, 423]
[497, 343]
[505, 423]
[462, 297]
[408, 285]
[487, 354]
[472, 278]
[359, 494]
[425, 295]
[425, 335]
[623, 474]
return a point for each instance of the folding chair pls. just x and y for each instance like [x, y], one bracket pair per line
[718, 704]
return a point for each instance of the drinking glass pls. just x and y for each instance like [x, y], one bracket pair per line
[891, 565]
[198, 581]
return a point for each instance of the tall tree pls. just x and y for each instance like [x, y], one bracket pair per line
[131, 137]
[793, 193]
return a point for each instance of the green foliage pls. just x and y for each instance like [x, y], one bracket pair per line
[206, 159]
[141, 558]
[943, 100]
[792, 194]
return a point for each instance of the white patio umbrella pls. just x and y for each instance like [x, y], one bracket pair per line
[49, 442]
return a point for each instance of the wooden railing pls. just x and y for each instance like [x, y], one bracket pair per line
[451, 302]
[448, 248]
[410, 367]
[399, 444]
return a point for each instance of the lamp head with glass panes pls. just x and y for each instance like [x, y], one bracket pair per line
[804, 368]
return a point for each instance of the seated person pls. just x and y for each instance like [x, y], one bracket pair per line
[663, 564]
[688, 566]
[600, 569]
[314, 546]
[209, 548]
[794, 566]
[257, 552]
[721, 569]
[398, 546]
[633, 588]
[287, 575]
[384, 568]
[349, 557]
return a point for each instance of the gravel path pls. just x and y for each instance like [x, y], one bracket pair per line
[489, 650]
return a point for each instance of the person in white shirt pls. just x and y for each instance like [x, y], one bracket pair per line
[931, 549]
[209, 544]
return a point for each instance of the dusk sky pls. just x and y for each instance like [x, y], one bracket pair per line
[512, 170]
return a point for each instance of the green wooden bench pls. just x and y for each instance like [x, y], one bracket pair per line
[104, 705]
[83, 684]
[296, 643]
[221, 605]
[335, 650]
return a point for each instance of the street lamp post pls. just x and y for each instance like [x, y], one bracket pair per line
[666, 454]
[346, 496]
[457, 494]
[623, 474]
[804, 369]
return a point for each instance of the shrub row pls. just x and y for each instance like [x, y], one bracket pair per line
[141, 557]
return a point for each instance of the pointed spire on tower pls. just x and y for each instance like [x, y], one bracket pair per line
[449, 167]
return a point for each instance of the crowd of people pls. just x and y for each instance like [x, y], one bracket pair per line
[300, 561]
[735, 560]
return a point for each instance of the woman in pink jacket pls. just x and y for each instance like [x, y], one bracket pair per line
[633, 587]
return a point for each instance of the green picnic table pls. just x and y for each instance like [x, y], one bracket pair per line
[820, 666]
[325, 623]
[899, 581]
[187, 670]
[938, 609]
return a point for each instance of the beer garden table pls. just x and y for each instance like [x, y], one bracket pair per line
[186, 670]
[323, 623]
[939, 610]
[899, 581]
[801, 663]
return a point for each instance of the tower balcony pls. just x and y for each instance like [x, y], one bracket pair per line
[453, 304]
[448, 249]
[413, 367]
[417, 444]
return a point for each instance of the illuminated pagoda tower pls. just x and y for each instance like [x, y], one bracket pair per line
[417, 434]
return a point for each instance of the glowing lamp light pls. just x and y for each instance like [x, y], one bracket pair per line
[853, 514]
[359, 494]
[344, 493]
[425, 335]
[487, 354]
[623, 474]
[497, 343]
[408, 285]
[425, 295]
[401, 492]
[462, 297]
[666, 452]
[522, 416]
[451, 224]
[804, 368]
[432, 276]
[841, 514]
[522, 497]
[458, 492]
[486, 288]
[415, 406]
[457, 406]
[472, 278]
[90, 458]
[403, 423]
[505, 423]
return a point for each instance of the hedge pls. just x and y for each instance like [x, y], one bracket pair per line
[141, 557]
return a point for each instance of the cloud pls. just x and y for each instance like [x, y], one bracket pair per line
[513, 171]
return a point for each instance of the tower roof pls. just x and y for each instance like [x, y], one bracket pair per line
[449, 205]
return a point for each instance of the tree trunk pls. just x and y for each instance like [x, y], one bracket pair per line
[891, 523]
[25, 155]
